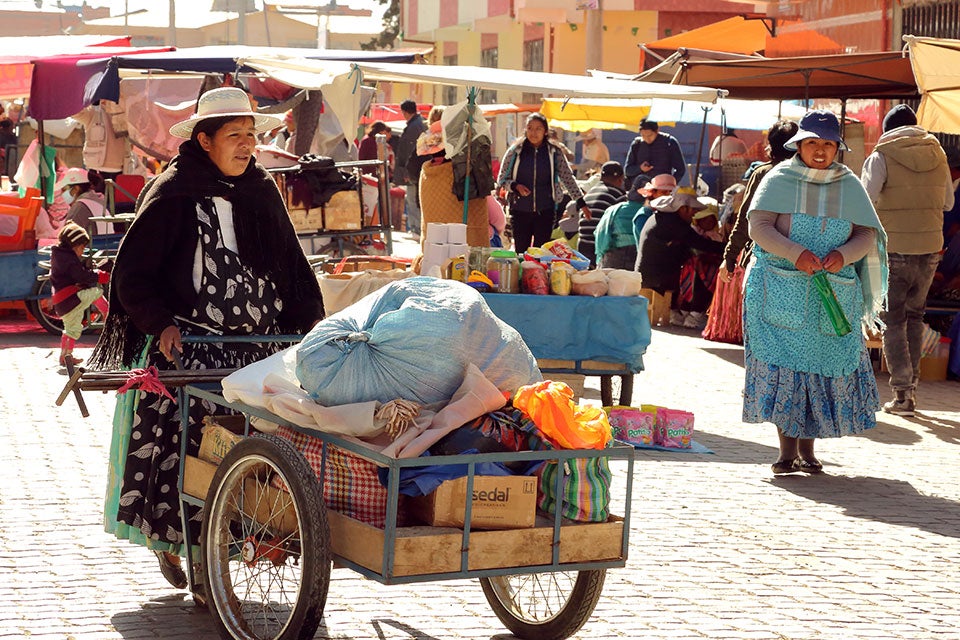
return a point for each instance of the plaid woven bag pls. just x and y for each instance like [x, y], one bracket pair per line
[350, 483]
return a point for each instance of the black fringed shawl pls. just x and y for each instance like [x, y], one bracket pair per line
[152, 278]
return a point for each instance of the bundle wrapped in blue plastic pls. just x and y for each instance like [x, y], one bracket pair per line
[412, 339]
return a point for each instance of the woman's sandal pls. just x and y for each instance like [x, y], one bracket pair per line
[172, 572]
[781, 467]
[811, 466]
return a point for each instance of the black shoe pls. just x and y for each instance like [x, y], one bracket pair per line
[172, 572]
[811, 466]
[781, 467]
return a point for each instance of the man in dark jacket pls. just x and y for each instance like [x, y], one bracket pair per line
[654, 153]
[406, 157]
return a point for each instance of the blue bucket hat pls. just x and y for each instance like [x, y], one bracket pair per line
[817, 124]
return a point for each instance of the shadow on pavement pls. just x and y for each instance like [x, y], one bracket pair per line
[733, 354]
[174, 612]
[884, 500]
[886, 433]
[725, 450]
[946, 430]
[379, 623]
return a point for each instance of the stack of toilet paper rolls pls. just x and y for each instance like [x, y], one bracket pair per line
[442, 242]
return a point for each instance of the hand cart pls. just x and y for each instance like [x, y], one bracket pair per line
[267, 542]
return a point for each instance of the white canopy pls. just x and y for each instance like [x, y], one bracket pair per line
[298, 71]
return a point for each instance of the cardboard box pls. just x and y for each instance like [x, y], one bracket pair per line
[499, 502]
[305, 220]
[343, 212]
[933, 369]
[197, 476]
[216, 443]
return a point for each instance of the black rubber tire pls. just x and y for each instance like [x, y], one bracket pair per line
[40, 307]
[544, 606]
[253, 596]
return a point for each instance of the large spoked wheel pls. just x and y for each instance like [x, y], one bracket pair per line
[544, 606]
[265, 543]
[40, 307]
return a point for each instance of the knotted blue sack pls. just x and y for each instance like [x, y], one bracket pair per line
[411, 339]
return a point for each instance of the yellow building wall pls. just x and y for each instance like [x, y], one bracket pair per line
[623, 31]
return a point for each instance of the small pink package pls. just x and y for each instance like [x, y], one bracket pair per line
[632, 425]
[674, 428]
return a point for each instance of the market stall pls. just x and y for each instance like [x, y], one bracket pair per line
[936, 66]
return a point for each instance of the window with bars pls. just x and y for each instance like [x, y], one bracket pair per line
[488, 58]
[532, 61]
[449, 94]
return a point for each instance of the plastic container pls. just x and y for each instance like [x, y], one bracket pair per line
[503, 268]
[561, 278]
[534, 279]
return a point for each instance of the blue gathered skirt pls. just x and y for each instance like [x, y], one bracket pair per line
[810, 405]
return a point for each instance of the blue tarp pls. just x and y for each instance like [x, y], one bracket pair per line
[606, 329]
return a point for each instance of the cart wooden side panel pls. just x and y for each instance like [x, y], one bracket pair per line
[436, 550]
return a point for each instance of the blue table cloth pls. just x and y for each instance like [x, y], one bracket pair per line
[605, 329]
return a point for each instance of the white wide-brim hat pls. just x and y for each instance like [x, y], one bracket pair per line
[224, 102]
[682, 197]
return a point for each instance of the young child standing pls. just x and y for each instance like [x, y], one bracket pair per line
[75, 286]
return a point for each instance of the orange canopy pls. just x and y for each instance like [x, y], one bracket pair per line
[748, 35]
[733, 35]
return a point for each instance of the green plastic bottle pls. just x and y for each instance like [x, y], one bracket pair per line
[829, 299]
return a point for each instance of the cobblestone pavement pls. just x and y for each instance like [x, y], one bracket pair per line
[719, 548]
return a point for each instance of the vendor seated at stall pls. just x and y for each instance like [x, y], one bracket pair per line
[83, 191]
[667, 241]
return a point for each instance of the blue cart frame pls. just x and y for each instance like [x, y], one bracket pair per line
[576, 608]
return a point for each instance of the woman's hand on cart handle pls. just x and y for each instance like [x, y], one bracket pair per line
[170, 342]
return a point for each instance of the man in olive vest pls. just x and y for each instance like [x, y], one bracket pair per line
[909, 182]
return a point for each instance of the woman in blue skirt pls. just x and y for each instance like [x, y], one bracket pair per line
[811, 215]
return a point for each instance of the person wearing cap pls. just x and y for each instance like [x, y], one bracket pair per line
[804, 373]
[608, 192]
[535, 174]
[653, 153]
[82, 190]
[75, 286]
[909, 182]
[666, 243]
[212, 251]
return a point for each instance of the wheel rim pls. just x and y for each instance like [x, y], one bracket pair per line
[254, 573]
[536, 598]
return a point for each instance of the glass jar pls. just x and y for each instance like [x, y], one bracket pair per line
[503, 268]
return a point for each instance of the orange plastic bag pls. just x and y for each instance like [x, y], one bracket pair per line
[565, 424]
